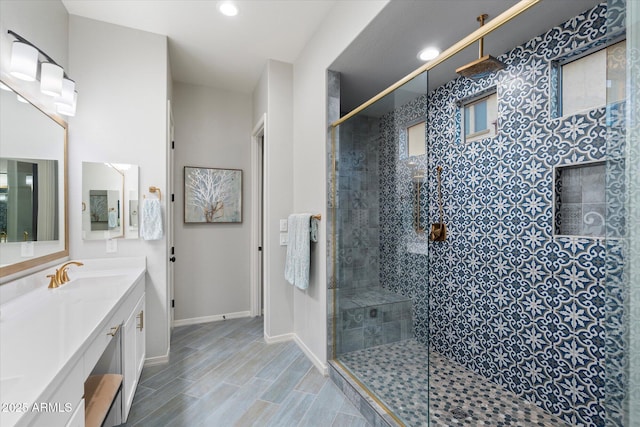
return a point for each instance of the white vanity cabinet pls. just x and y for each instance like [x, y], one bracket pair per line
[53, 339]
[133, 353]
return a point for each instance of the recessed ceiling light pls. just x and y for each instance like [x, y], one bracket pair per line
[428, 54]
[227, 8]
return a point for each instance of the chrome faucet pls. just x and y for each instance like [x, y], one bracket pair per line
[61, 277]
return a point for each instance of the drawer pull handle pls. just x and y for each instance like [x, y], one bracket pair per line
[114, 331]
[141, 318]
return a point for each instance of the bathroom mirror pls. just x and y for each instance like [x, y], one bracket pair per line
[33, 189]
[109, 201]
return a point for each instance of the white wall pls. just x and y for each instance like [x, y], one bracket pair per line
[274, 97]
[121, 78]
[212, 129]
[341, 26]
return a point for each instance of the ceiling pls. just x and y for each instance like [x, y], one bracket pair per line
[387, 49]
[209, 49]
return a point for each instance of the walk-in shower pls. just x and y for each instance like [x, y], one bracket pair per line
[527, 312]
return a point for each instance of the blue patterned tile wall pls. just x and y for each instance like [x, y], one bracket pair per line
[502, 295]
[358, 209]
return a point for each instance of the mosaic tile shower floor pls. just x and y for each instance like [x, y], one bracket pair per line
[395, 373]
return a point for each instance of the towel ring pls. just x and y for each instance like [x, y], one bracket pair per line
[154, 189]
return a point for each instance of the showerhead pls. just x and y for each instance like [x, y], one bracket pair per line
[484, 65]
[481, 67]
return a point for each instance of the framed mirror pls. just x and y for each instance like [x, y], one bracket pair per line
[33, 186]
[109, 201]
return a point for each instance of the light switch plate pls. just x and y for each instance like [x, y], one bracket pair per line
[284, 239]
[283, 225]
[112, 246]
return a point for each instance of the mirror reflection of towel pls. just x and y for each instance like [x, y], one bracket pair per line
[113, 219]
[151, 226]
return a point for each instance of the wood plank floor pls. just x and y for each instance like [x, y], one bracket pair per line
[224, 374]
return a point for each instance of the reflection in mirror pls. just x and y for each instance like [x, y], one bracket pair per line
[33, 227]
[109, 201]
[28, 200]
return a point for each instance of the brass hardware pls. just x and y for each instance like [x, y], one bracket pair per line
[439, 230]
[497, 22]
[25, 236]
[114, 330]
[3, 236]
[154, 189]
[317, 216]
[481, 20]
[53, 283]
[140, 316]
[417, 181]
[61, 276]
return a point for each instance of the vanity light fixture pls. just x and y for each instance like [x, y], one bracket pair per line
[228, 8]
[24, 60]
[68, 110]
[428, 53]
[53, 79]
[5, 87]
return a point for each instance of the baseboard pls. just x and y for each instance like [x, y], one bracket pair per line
[214, 318]
[322, 367]
[158, 360]
[279, 338]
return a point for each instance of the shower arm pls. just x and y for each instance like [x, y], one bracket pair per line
[481, 20]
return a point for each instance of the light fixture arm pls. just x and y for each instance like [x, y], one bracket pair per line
[48, 58]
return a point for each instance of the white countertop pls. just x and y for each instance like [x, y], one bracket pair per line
[44, 331]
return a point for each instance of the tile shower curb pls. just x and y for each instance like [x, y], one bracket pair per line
[370, 410]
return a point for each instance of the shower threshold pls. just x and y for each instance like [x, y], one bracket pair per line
[446, 394]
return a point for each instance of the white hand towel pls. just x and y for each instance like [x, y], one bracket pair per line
[151, 227]
[296, 269]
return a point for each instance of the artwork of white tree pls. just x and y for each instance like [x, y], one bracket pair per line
[212, 195]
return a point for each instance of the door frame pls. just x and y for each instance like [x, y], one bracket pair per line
[170, 214]
[258, 264]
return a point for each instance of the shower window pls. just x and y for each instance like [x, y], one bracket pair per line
[584, 82]
[480, 117]
[416, 139]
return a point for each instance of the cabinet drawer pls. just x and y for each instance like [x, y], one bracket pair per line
[97, 347]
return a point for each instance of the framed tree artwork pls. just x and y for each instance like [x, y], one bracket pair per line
[212, 195]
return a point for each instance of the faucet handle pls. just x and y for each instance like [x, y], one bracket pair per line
[53, 283]
[65, 275]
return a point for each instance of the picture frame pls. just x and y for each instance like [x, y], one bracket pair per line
[212, 195]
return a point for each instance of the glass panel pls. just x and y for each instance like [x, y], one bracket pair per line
[502, 306]
[381, 214]
[480, 115]
[623, 201]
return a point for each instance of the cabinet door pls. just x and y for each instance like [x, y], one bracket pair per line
[77, 419]
[133, 353]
